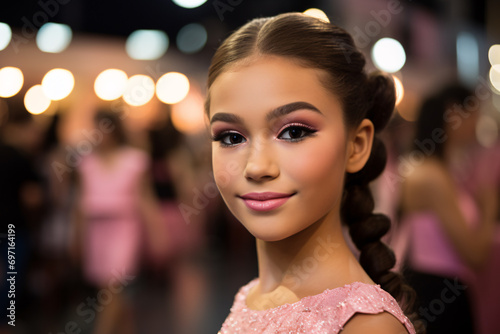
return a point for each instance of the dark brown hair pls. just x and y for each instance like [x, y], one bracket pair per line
[321, 45]
[432, 116]
[114, 119]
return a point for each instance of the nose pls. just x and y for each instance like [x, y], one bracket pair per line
[261, 163]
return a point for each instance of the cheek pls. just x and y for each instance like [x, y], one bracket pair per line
[319, 164]
[226, 167]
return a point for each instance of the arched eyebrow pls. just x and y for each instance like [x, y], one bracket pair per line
[288, 108]
[226, 117]
[273, 114]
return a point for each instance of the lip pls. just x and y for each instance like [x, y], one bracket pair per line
[265, 201]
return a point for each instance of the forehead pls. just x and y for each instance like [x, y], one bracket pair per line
[264, 82]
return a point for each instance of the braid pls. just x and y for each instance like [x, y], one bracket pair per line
[365, 227]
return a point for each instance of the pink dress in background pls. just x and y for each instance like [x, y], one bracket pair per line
[325, 313]
[112, 226]
[430, 248]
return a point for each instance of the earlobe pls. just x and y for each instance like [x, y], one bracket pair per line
[360, 146]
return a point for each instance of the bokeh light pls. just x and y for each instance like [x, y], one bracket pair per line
[317, 13]
[58, 84]
[5, 35]
[188, 115]
[467, 57]
[189, 3]
[140, 90]
[388, 55]
[172, 87]
[53, 37]
[400, 91]
[494, 54]
[192, 38]
[495, 76]
[110, 84]
[35, 100]
[11, 81]
[147, 44]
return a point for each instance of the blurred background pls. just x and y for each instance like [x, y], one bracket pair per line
[105, 161]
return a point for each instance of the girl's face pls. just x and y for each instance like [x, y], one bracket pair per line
[280, 146]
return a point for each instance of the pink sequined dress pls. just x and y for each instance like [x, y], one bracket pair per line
[325, 313]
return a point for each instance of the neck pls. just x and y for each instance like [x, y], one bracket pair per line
[308, 262]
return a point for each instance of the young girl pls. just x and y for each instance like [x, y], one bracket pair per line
[115, 206]
[293, 118]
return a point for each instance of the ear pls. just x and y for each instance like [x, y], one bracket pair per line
[359, 146]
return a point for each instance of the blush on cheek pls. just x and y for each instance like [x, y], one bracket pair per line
[225, 172]
[318, 162]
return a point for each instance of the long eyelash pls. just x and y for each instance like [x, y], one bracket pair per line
[220, 135]
[308, 129]
[298, 125]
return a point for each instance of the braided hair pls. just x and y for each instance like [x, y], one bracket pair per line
[317, 44]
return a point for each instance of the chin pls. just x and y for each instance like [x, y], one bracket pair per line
[267, 237]
[269, 233]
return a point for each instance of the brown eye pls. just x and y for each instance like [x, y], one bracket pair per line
[233, 139]
[229, 138]
[295, 133]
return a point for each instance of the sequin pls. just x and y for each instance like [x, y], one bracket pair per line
[326, 312]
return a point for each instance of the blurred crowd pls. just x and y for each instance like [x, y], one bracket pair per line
[119, 235]
[115, 235]
[441, 188]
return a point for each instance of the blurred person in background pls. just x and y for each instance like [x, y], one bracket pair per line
[448, 230]
[20, 198]
[55, 276]
[176, 177]
[116, 210]
[484, 168]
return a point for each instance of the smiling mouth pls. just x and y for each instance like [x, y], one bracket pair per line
[265, 201]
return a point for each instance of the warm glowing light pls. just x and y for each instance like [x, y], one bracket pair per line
[192, 38]
[147, 44]
[189, 3]
[5, 35]
[172, 87]
[317, 13]
[35, 100]
[400, 91]
[110, 84]
[53, 37]
[494, 54]
[495, 76]
[388, 55]
[11, 81]
[139, 91]
[58, 84]
[188, 115]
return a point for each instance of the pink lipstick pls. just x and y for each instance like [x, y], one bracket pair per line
[265, 201]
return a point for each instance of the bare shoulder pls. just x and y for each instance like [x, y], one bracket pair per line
[425, 183]
[381, 323]
[429, 174]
